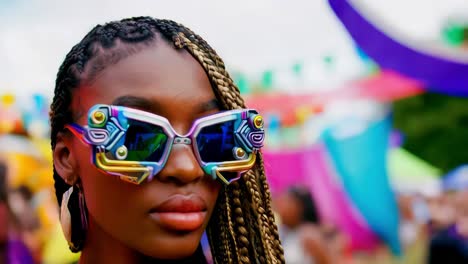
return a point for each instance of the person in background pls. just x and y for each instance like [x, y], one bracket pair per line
[20, 201]
[413, 227]
[441, 211]
[3, 213]
[13, 250]
[305, 240]
[450, 245]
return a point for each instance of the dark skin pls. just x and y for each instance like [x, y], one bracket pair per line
[163, 81]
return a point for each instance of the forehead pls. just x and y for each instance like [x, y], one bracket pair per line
[172, 79]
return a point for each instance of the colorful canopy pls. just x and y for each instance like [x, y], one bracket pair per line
[385, 86]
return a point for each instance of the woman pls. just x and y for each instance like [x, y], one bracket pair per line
[146, 157]
[13, 249]
[4, 215]
[305, 239]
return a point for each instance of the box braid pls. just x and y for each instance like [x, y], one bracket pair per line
[242, 228]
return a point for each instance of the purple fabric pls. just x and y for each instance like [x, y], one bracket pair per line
[439, 74]
[334, 204]
[18, 253]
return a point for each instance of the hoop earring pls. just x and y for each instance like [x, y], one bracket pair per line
[65, 216]
[74, 226]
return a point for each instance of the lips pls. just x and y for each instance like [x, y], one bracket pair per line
[180, 213]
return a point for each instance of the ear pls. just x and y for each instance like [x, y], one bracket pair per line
[64, 161]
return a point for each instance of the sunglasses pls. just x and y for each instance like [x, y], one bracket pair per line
[135, 145]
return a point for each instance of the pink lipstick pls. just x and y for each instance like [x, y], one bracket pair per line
[180, 212]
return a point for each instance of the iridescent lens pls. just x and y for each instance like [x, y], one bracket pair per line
[216, 142]
[144, 142]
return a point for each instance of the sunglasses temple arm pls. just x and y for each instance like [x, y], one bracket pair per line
[78, 131]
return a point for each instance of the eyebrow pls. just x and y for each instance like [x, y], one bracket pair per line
[148, 105]
[134, 101]
[212, 104]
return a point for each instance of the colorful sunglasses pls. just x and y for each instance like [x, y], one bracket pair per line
[135, 144]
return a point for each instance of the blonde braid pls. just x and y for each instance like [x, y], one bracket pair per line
[224, 75]
[251, 190]
[230, 223]
[243, 234]
[267, 222]
[229, 98]
[219, 235]
[272, 223]
[256, 207]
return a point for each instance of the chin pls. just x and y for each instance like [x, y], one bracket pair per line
[173, 255]
[174, 248]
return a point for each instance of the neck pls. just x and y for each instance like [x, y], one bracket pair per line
[100, 247]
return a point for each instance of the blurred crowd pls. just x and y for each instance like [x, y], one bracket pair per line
[433, 229]
[26, 237]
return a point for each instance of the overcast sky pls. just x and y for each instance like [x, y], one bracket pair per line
[250, 36]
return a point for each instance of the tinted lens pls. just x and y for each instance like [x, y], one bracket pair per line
[215, 142]
[144, 142]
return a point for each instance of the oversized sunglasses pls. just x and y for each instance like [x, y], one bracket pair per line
[135, 144]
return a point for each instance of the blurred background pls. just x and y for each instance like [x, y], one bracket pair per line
[364, 101]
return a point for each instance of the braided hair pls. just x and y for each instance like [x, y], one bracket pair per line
[248, 232]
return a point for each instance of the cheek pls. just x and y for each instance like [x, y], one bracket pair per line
[211, 193]
[105, 194]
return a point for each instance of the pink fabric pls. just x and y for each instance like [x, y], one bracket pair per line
[283, 169]
[333, 203]
[310, 167]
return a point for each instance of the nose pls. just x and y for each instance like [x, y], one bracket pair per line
[181, 166]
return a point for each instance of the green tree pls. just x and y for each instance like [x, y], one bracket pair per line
[435, 128]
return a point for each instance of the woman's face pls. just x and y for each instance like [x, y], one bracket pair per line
[289, 208]
[170, 83]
